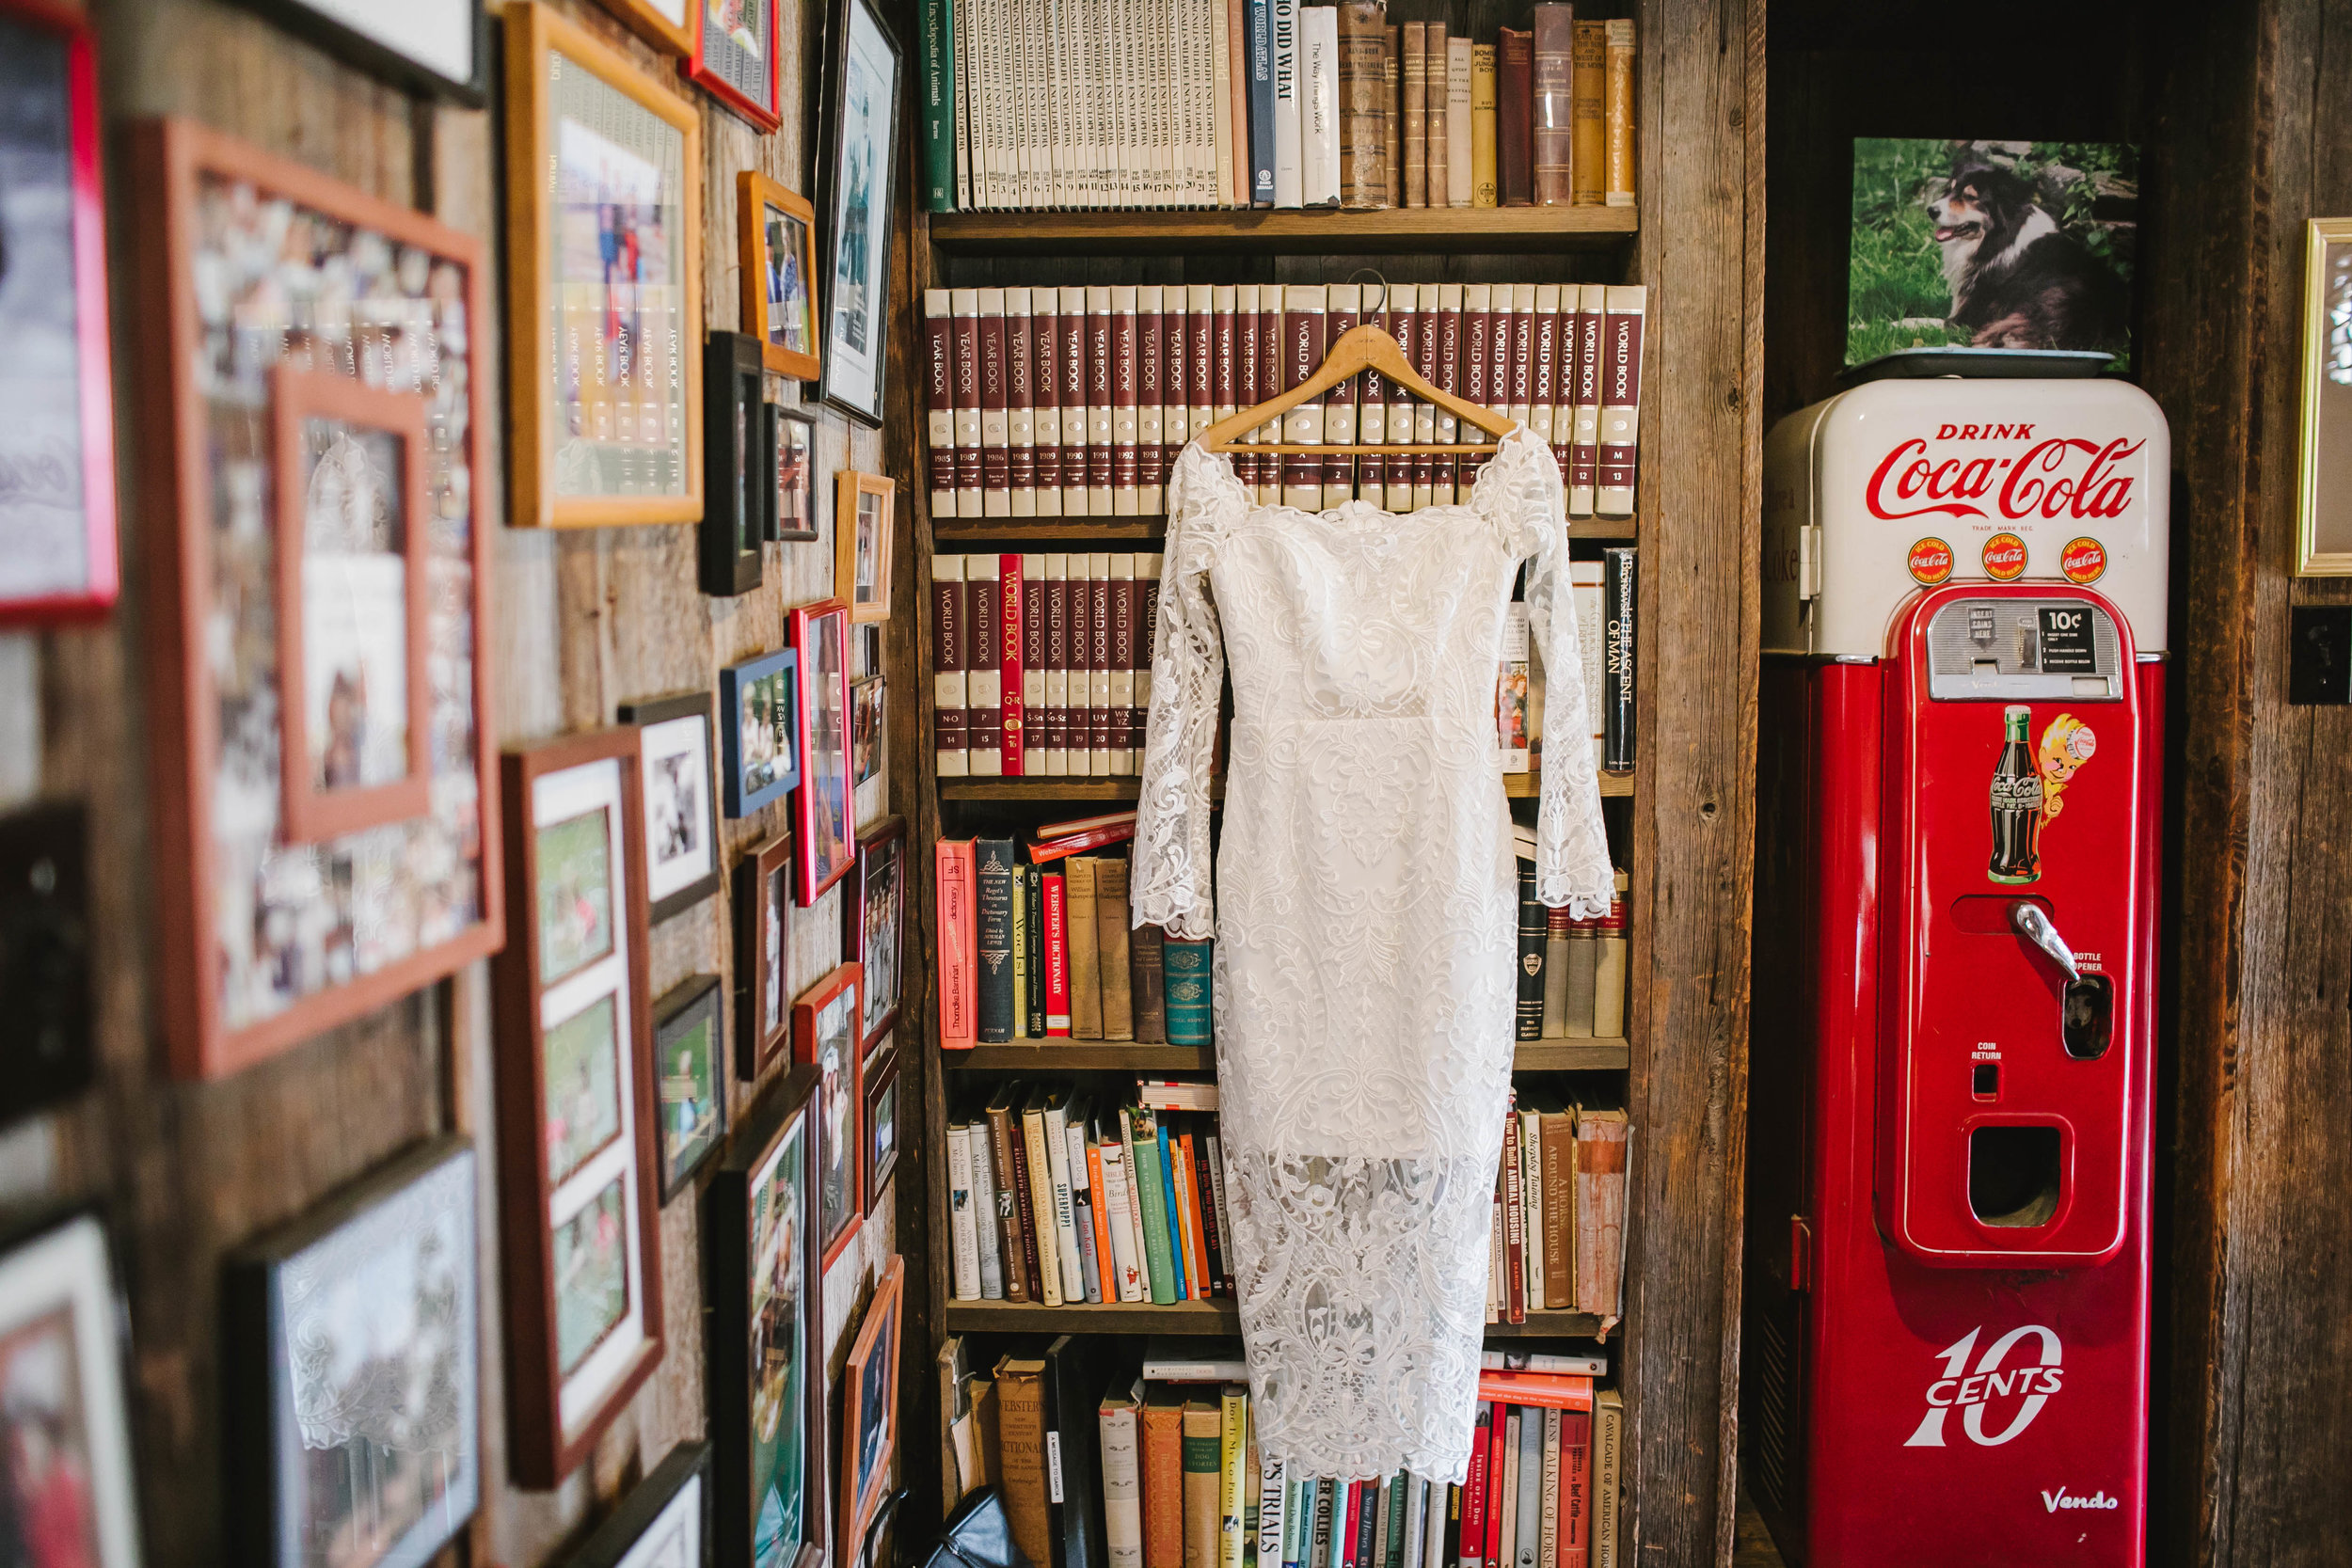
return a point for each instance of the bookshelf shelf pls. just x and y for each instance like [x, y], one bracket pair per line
[1083, 530]
[1594, 1056]
[1515, 785]
[1477, 229]
[1188, 1317]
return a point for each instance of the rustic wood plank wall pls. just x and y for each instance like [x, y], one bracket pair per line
[580, 624]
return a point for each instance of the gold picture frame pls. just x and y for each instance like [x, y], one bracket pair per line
[762, 206]
[2322, 521]
[604, 176]
[862, 542]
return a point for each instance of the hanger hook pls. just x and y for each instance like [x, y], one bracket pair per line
[1373, 273]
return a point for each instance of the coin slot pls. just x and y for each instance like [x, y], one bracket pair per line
[2088, 1020]
[2013, 1175]
[1985, 1080]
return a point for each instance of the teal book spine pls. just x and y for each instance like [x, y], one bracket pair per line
[1187, 965]
[1173, 1226]
[1149, 1171]
[939, 105]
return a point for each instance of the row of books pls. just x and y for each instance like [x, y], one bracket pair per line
[1170, 1475]
[1559, 1209]
[1188, 104]
[1571, 973]
[1057, 1198]
[1066, 402]
[1044, 950]
[1605, 597]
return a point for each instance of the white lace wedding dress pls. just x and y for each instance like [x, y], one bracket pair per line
[1363, 983]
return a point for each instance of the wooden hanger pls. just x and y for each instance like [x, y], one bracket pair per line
[1359, 349]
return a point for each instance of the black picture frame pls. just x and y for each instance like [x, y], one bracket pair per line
[876, 872]
[699, 1000]
[881, 1099]
[385, 60]
[45, 983]
[855, 367]
[649, 1506]
[791, 433]
[736, 498]
[646, 715]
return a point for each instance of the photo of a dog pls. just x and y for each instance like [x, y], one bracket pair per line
[1991, 245]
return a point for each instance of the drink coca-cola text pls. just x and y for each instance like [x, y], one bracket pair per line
[2041, 484]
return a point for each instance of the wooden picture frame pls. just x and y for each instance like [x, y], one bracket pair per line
[766, 1327]
[869, 1405]
[690, 1021]
[792, 445]
[61, 561]
[683, 851]
[578, 1157]
[667, 25]
[879, 1121]
[664, 1522]
[867, 729]
[301, 400]
[824, 807]
[2323, 502]
[439, 48]
[380, 1288]
[740, 72]
[862, 540]
[858, 165]
[252, 959]
[735, 465]
[759, 746]
[620, 465]
[824, 1036]
[763, 955]
[62, 1361]
[777, 235]
[873, 924]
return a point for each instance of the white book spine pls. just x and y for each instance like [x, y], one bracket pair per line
[1123, 1487]
[961, 20]
[1288, 188]
[984, 1211]
[1221, 105]
[1125, 1276]
[1122, 682]
[1433, 1526]
[1056, 1152]
[1584, 587]
[1532, 1201]
[1135, 1205]
[1319, 106]
[1416, 1499]
[964, 1222]
[1458, 121]
[1272, 1493]
[1082, 1185]
[1098, 681]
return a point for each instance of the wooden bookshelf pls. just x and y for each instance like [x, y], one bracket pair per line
[989, 530]
[1490, 230]
[1517, 786]
[1190, 1317]
[1050, 1056]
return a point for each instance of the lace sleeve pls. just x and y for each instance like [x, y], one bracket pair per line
[1571, 844]
[1169, 879]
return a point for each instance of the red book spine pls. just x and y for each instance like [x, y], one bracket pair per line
[1080, 729]
[1098, 653]
[1021, 392]
[939, 399]
[1197, 1265]
[1341, 408]
[1150, 396]
[959, 998]
[1175, 380]
[1010, 636]
[1045, 341]
[1033, 717]
[1126, 349]
[1302, 351]
[951, 652]
[967, 327]
[1473, 1519]
[1057, 659]
[1056, 945]
[986, 642]
[1515, 116]
[1447, 473]
[1246, 365]
[1099, 335]
[1073, 403]
[1576, 1489]
[995, 409]
[1269, 371]
[1354, 1499]
[1496, 1456]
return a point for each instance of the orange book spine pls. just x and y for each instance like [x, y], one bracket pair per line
[1103, 1266]
[958, 959]
[1196, 1246]
[1163, 1484]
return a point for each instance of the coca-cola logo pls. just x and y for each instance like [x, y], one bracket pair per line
[1930, 560]
[2083, 561]
[2061, 477]
[2004, 557]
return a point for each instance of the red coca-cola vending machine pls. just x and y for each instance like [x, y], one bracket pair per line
[1946, 1289]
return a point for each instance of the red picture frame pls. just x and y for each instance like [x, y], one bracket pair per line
[712, 74]
[204, 1038]
[840, 1102]
[102, 580]
[824, 802]
[310, 812]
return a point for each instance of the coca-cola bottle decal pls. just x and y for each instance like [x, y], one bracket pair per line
[2016, 802]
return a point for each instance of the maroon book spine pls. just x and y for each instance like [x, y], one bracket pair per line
[1414, 335]
[950, 722]
[1515, 116]
[1246, 365]
[1074, 402]
[1544, 383]
[1126, 599]
[1563, 407]
[1079, 720]
[995, 465]
[1583, 456]
[985, 601]
[1126, 368]
[1175, 379]
[967, 341]
[1044, 336]
[1514, 346]
[1620, 403]
[1098, 652]
[1344, 404]
[1225, 362]
[1058, 660]
[939, 398]
[1447, 473]
[1371, 469]
[1147, 637]
[1269, 369]
[1302, 351]
[1099, 336]
[1021, 392]
[1150, 394]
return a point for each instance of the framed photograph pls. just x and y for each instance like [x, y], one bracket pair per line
[760, 726]
[873, 922]
[859, 162]
[65, 1423]
[47, 993]
[766, 1337]
[822, 817]
[689, 1071]
[353, 1389]
[861, 542]
[865, 730]
[735, 58]
[604, 271]
[2323, 514]
[824, 1036]
[581, 1165]
[667, 25]
[736, 464]
[429, 46]
[664, 1522]
[674, 748]
[268, 938]
[763, 891]
[57, 552]
[795, 449]
[877, 1152]
[779, 243]
[351, 577]
[870, 1406]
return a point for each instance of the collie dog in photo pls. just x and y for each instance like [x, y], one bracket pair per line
[2017, 279]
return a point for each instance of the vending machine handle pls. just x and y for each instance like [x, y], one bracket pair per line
[2035, 928]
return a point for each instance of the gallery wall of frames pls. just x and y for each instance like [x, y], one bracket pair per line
[447, 635]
